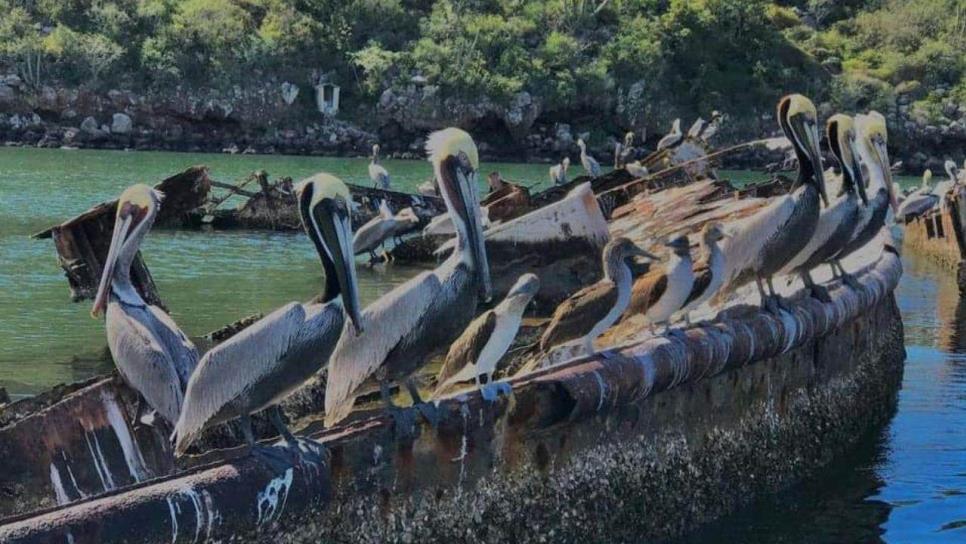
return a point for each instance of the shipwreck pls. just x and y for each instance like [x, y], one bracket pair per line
[665, 434]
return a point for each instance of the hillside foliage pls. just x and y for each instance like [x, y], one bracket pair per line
[575, 55]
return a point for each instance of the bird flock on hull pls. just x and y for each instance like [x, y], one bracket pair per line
[386, 343]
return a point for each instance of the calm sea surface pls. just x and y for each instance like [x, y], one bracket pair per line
[906, 483]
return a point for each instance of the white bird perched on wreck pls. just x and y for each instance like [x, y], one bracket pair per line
[872, 138]
[703, 130]
[673, 138]
[626, 151]
[592, 310]
[374, 233]
[405, 221]
[662, 292]
[264, 363]
[636, 169]
[590, 164]
[835, 222]
[428, 311]
[558, 172]
[761, 245]
[943, 187]
[709, 274]
[919, 201]
[151, 353]
[481, 346]
[378, 173]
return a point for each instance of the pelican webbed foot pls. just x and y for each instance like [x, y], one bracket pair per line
[680, 334]
[403, 419]
[428, 410]
[820, 293]
[849, 279]
[773, 305]
[275, 417]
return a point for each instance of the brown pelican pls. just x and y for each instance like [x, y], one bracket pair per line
[835, 222]
[377, 173]
[404, 221]
[626, 152]
[673, 138]
[375, 232]
[152, 355]
[558, 172]
[636, 169]
[590, 164]
[593, 309]
[709, 274]
[943, 187]
[481, 346]
[919, 201]
[662, 292]
[428, 311]
[702, 130]
[872, 139]
[267, 361]
[762, 244]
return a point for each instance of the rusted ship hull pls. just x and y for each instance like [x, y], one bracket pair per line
[940, 234]
[666, 435]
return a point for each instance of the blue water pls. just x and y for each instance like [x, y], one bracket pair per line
[907, 481]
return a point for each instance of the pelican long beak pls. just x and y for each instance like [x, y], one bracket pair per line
[637, 251]
[460, 178]
[808, 131]
[333, 225]
[882, 157]
[857, 173]
[122, 226]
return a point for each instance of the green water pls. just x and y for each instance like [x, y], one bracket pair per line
[207, 280]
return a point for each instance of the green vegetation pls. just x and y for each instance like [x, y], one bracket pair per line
[685, 56]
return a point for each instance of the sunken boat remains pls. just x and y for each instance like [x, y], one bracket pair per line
[632, 434]
[939, 232]
[651, 439]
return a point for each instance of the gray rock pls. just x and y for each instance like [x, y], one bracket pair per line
[11, 80]
[89, 125]
[7, 94]
[121, 123]
[289, 92]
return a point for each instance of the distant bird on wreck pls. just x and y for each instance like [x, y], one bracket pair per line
[672, 139]
[558, 172]
[428, 311]
[625, 153]
[405, 221]
[592, 310]
[590, 164]
[264, 363]
[486, 340]
[946, 185]
[377, 172]
[872, 139]
[636, 169]
[709, 273]
[764, 243]
[919, 201]
[662, 292]
[703, 130]
[152, 354]
[374, 233]
[837, 221]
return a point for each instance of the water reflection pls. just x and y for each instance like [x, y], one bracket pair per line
[903, 483]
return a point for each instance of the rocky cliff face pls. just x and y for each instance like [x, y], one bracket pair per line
[278, 118]
[263, 119]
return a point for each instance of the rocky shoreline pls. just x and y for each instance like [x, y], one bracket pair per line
[273, 118]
